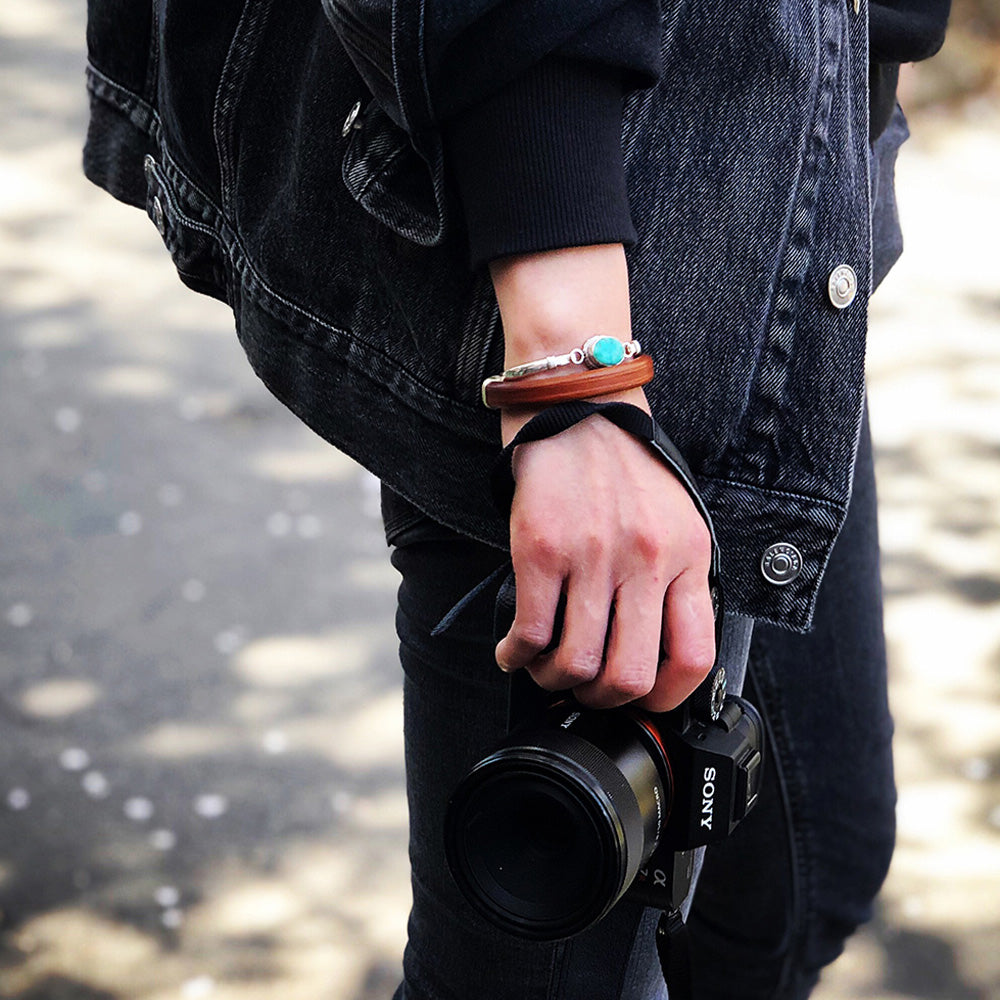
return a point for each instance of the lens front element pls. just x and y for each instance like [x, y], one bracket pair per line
[544, 837]
[531, 850]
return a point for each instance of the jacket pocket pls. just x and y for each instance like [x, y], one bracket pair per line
[392, 181]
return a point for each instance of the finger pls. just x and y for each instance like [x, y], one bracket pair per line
[538, 596]
[633, 653]
[577, 659]
[689, 642]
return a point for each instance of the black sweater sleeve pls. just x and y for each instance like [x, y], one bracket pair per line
[538, 160]
[527, 95]
[907, 30]
[474, 48]
[539, 164]
[899, 31]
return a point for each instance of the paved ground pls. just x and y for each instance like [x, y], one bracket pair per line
[200, 776]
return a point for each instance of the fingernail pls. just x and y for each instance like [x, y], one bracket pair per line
[498, 654]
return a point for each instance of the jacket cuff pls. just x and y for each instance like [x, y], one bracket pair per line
[539, 164]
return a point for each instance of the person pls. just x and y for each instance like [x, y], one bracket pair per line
[400, 200]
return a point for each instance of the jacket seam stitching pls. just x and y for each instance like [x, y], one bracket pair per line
[422, 62]
[226, 92]
[767, 491]
[187, 220]
[117, 91]
[782, 313]
[377, 175]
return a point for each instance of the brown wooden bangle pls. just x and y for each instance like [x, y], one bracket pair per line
[536, 389]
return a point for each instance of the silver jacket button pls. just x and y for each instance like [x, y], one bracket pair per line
[148, 166]
[351, 121]
[781, 563]
[158, 215]
[842, 286]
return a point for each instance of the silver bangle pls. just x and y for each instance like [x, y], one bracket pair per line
[597, 352]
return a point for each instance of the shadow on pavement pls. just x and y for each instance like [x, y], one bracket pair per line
[923, 966]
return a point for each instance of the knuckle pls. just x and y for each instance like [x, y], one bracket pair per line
[695, 662]
[592, 545]
[532, 634]
[579, 666]
[647, 545]
[632, 684]
[539, 548]
[528, 542]
[546, 549]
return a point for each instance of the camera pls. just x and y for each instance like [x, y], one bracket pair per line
[578, 808]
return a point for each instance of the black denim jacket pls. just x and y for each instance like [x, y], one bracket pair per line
[334, 237]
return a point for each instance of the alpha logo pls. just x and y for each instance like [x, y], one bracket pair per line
[708, 797]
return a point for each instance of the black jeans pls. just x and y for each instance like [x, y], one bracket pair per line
[774, 902]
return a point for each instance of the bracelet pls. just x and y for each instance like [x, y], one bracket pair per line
[499, 392]
[597, 352]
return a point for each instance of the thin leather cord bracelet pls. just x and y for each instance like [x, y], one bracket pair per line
[530, 391]
[597, 352]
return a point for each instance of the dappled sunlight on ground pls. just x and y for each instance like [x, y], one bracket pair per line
[202, 790]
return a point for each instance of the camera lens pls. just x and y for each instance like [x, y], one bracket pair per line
[532, 849]
[543, 837]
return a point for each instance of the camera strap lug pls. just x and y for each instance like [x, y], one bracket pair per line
[673, 947]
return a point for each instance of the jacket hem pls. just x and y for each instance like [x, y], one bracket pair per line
[122, 129]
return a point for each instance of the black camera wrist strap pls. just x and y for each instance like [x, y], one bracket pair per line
[706, 701]
[673, 946]
[636, 422]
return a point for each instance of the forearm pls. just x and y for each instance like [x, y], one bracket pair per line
[552, 301]
[647, 560]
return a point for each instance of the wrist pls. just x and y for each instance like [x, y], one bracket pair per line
[512, 420]
[551, 302]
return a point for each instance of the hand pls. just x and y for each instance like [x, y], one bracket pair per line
[596, 515]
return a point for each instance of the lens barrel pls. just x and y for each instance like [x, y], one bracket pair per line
[545, 835]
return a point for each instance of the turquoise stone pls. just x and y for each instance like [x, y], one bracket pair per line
[608, 351]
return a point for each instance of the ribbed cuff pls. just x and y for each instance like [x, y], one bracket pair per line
[539, 165]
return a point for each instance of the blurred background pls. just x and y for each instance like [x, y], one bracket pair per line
[201, 789]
